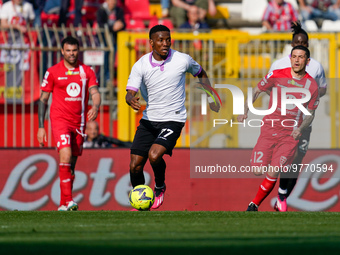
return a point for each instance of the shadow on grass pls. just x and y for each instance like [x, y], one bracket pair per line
[218, 246]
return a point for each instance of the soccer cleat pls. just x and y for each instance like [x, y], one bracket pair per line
[275, 206]
[62, 208]
[72, 206]
[252, 207]
[281, 205]
[159, 197]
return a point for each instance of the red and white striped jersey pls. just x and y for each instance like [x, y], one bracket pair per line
[280, 17]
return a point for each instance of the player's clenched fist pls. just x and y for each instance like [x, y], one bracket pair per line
[296, 134]
[242, 117]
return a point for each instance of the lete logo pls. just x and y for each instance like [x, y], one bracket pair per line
[24, 172]
[73, 89]
[296, 199]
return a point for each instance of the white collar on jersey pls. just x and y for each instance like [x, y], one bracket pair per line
[160, 65]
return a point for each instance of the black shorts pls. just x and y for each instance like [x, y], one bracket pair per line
[151, 132]
[304, 142]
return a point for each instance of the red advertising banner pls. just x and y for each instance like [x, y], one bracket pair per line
[29, 181]
[19, 78]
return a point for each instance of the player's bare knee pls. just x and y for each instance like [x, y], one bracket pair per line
[154, 157]
[65, 159]
[135, 167]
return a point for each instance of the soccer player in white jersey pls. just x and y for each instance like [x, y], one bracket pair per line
[314, 69]
[160, 75]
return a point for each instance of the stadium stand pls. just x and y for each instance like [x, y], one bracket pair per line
[134, 24]
[330, 26]
[165, 22]
[253, 10]
[311, 26]
[137, 9]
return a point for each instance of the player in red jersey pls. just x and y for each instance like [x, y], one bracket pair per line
[276, 146]
[70, 82]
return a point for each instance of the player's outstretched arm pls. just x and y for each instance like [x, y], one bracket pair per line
[96, 100]
[132, 100]
[203, 77]
[42, 106]
[308, 119]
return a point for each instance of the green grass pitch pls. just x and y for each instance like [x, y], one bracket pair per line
[118, 232]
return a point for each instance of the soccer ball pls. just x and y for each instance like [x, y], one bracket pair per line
[142, 197]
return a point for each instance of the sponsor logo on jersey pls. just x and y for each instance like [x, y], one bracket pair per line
[268, 75]
[70, 72]
[46, 74]
[73, 89]
[290, 106]
[62, 78]
[294, 83]
[44, 83]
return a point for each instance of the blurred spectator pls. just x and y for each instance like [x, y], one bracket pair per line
[165, 4]
[112, 15]
[212, 8]
[279, 15]
[89, 11]
[52, 6]
[96, 140]
[70, 9]
[194, 22]
[38, 6]
[180, 7]
[17, 14]
[320, 9]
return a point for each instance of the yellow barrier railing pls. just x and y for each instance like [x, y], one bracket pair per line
[228, 55]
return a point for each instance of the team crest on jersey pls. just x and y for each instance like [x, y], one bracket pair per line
[73, 89]
[283, 160]
[268, 75]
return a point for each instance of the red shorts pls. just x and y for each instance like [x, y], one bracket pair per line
[274, 149]
[67, 136]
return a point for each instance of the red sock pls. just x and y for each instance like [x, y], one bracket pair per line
[265, 188]
[65, 183]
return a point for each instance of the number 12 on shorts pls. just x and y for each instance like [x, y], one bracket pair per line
[258, 157]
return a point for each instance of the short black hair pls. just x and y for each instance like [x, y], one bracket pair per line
[158, 28]
[300, 47]
[69, 40]
[297, 29]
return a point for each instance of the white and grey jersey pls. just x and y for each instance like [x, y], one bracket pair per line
[162, 84]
